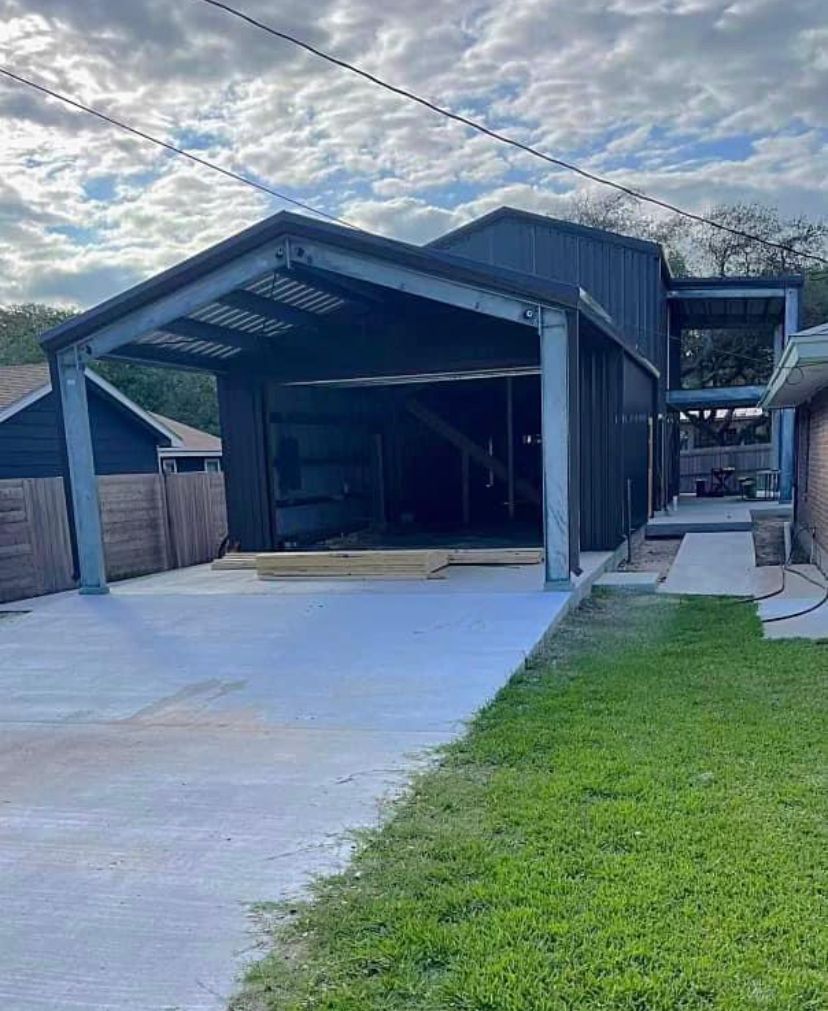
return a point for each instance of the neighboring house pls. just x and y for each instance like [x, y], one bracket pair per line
[799, 385]
[519, 378]
[193, 449]
[126, 439]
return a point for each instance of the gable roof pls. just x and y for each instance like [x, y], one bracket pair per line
[285, 223]
[532, 217]
[22, 385]
[189, 439]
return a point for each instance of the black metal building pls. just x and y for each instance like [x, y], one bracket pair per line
[510, 381]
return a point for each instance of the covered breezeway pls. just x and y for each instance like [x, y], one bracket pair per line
[366, 385]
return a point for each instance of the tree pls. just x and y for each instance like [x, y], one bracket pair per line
[815, 297]
[619, 212]
[724, 253]
[186, 396]
[19, 329]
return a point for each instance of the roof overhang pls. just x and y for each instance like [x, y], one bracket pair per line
[285, 296]
[700, 303]
[802, 370]
[275, 284]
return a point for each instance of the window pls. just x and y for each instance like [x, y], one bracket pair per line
[212, 466]
[169, 466]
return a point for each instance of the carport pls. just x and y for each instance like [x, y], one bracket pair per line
[363, 380]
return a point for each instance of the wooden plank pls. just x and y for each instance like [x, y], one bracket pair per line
[412, 564]
[236, 560]
[495, 556]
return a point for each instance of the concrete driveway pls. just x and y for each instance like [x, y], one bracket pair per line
[196, 742]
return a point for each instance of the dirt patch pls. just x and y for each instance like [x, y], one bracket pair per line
[769, 540]
[652, 556]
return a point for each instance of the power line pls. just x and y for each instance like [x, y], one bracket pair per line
[172, 147]
[504, 138]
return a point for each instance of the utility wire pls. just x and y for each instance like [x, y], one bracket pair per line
[504, 138]
[172, 147]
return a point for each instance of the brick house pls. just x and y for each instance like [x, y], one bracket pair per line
[800, 384]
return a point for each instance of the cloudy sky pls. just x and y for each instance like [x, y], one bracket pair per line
[697, 101]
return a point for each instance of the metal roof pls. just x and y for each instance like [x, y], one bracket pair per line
[532, 217]
[303, 297]
[802, 370]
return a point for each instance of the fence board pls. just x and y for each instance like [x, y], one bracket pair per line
[698, 463]
[197, 516]
[134, 532]
[150, 523]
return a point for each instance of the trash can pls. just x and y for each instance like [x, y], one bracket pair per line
[701, 487]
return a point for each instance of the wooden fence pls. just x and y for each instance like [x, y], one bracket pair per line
[151, 522]
[698, 463]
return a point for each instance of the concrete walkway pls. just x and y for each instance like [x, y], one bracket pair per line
[712, 515]
[723, 564]
[800, 595]
[716, 563]
[199, 741]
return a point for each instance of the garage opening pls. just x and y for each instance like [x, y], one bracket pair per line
[452, 462]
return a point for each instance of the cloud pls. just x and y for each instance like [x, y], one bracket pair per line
[697, 101]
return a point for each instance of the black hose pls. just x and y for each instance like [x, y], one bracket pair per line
[807, 610]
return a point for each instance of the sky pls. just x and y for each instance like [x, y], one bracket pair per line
[695, 101]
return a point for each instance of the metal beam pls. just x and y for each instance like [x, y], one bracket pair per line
[715, 396]
[555, 421]
[419, 378]
[198, 330]
[720, 293]
[86, 506]
[341, 287]
[187, 298]
[412, 282]
[148, 354]
[278, 312]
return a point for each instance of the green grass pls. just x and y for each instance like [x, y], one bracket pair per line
[637, 822]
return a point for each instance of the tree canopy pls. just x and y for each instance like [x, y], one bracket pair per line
[186, 396]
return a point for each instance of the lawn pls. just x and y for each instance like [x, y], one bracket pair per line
[637, 822]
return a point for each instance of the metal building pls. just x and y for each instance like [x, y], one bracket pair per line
[509, 381]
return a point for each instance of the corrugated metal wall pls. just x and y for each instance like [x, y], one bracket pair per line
[636, 422]
[601, 459]
[623, 275]
[321, 447]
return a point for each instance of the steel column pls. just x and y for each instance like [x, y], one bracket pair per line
[555, 436]
[87, 513]
[787, 423]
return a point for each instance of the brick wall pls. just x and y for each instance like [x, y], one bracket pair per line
[812, 474]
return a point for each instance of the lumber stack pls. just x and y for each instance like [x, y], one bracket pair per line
[236, 560]
[382, 563]
[403, 564]
[495, 556]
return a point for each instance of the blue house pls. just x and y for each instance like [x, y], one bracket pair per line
[125, 438]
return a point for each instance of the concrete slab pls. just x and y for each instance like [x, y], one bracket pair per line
[629, 582]
[712, 515]
[800, 595]
[198, 741]
[713, 563]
